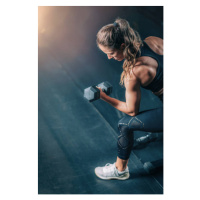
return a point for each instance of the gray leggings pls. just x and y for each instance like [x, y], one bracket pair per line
[149, 121]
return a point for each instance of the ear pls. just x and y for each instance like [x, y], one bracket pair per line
[122, 46]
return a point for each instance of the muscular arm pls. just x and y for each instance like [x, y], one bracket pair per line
[131, 106]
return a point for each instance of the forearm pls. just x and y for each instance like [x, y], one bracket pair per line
[119, 105]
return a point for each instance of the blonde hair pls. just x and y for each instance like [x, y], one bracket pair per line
[113, 35]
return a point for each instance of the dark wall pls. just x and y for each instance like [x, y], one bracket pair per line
[71, 31]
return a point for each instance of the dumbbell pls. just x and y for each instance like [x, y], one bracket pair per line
[154, 166]
[92, 93]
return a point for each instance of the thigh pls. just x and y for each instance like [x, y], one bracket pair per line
[150, 120]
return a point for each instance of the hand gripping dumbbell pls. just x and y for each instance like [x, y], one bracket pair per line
[92, 93]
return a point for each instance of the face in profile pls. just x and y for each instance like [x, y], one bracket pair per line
[116, 54]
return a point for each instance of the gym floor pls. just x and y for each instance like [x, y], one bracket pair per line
[75, 136]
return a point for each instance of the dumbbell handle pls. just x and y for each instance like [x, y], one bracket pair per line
[106, 85]
[103, 90]
[92, 93]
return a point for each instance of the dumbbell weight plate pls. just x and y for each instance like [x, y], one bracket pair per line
[92, 93]
[154, 166]
[106, 87]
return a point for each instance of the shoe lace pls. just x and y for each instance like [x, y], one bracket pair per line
[108, 167]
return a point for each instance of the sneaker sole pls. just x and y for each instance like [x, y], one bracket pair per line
[123, 177]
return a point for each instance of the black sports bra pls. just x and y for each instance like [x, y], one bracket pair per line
[157, 83]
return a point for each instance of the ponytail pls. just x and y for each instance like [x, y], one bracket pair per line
[133, 44]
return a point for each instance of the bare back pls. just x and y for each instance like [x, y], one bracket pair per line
[145, 67]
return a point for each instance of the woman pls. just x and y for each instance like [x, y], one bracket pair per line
[142, 67]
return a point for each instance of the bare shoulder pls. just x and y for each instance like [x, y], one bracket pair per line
[155, 43]
[144, 73]
[153, 38]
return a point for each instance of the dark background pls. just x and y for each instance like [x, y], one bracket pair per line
[75, 136]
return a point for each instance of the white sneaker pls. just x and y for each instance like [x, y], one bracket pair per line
[109, 171]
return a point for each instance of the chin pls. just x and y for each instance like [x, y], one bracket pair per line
[120, 59]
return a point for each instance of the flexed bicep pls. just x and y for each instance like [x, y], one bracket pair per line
[133, 96]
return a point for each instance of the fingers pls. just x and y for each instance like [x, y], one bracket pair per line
[100, 89]
[102, 92]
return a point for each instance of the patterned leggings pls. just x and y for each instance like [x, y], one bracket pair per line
[149, 121]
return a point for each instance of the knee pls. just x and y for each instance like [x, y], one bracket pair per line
[125, 138]
[130, 123]
[123, 127]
